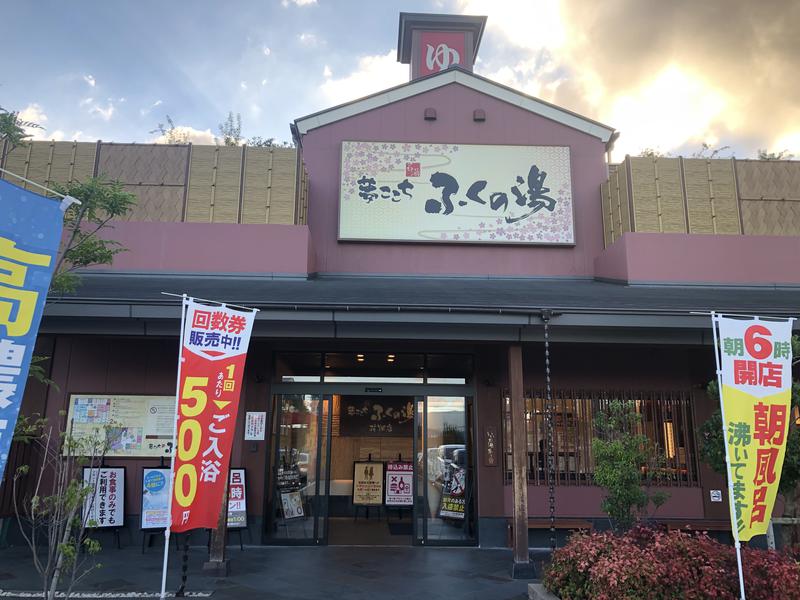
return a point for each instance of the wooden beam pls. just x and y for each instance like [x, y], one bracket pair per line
[217, 563]
[519, 454]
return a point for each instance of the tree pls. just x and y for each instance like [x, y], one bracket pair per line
[231, 130]
[763, 154]
[259, 142]
[170, 133]
[627, 464]
[712, 450]
[53, 517]
[708, 151]
[654, 153]
[12, 128]
[83, 245]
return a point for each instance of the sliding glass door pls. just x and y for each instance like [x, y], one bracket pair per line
[444, 506]
[297, 506]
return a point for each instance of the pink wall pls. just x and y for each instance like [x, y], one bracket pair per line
[213, 248]
[403, 122]
[681, 257]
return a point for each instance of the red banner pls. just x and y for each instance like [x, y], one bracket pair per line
[215, 340]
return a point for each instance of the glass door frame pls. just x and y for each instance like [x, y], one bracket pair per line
[421, 505]
[320, 507]
[419, 392]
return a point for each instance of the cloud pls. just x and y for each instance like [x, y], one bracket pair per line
[104, 113]
[308, 39]
[146, 111]
[266, 50]
[89, 80]
[33, 113]
[326, 72]
[529, 24]
[287, 3]
[243, 85]
[673, 109]
[86, 101]
[789, 141]
[189, 134]
[373, 74]
[665, 74]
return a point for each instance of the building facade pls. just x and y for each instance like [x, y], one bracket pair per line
[439, 255]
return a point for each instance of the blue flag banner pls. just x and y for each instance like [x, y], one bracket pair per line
[30, 234]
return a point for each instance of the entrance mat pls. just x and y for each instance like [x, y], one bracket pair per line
[400, 528]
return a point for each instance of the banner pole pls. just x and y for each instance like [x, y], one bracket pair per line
[174, 451]
[732, 506]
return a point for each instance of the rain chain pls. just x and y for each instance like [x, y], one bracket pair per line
[548, 412]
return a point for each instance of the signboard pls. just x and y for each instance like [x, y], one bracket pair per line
[215, 340]
[155, 498]
[292, 504]
[237, 500]
[455, 193]
[399, 484]
[388, 416]
[136, 425]
[30, 233]
[453, 496]
[107, 507]
[441, 50]
[367, 483]
[289, 477]
[716, 495]
[255, 425]
[755, 360]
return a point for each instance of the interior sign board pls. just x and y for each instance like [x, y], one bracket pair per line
[399, 484]
[455, 193]
[368, 483]
[386, 416]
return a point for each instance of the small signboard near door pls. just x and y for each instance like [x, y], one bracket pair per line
[292, 504]
[237, 500]
[367, 483]
[399, 484]
[107, 507]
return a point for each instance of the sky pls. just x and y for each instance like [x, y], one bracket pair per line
[669, 75]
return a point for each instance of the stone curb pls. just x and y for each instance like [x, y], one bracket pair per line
[536, 591]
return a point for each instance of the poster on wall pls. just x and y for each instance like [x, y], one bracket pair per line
[367, 483]
[399, 484]
[755, 376]
[237, 500]
[107, 507]
[215, 339]
[136, 425]
[463, 194]
[255, 425]
[388, 416]
[155, 498]
[292, 505]
[453, 492]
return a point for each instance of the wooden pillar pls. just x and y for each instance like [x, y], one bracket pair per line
[522, 568]
[217, 563]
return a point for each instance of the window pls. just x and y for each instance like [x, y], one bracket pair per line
[666, 419]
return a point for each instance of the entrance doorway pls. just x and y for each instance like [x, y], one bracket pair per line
[344, 456]
[371, 499]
